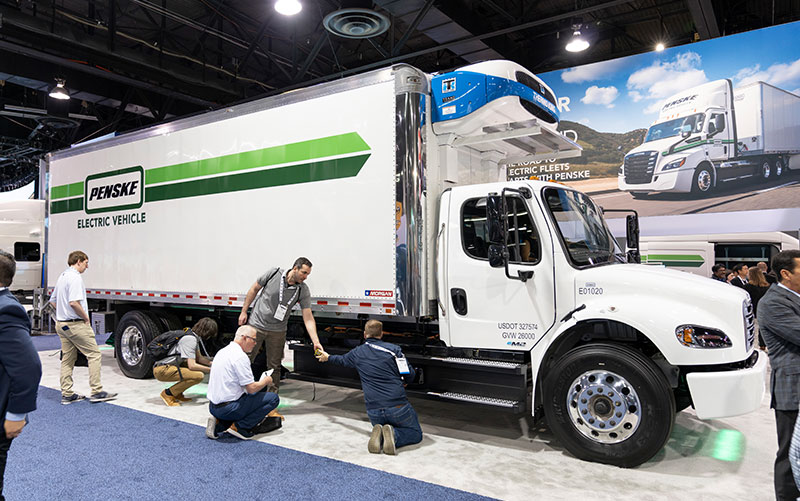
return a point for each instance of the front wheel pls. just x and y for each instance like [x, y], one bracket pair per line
[703, 180]
[134, 331]
[639, 195]
[609, 404]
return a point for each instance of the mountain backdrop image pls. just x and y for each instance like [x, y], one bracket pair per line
[603, 152]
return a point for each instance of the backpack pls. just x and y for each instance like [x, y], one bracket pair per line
[160, 347]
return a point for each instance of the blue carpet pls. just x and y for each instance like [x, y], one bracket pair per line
[53, 342]
[102, 451]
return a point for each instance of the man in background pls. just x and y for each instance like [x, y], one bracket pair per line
[719, 272]
[20, 369]
[779, 322]
[740, 275]
[73, 326]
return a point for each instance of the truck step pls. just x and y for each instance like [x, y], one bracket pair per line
[475, 399]
[483, 363]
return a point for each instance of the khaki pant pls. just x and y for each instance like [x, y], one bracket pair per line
[78, 336]
[170, 373]
[273, 341]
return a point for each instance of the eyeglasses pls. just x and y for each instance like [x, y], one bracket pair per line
[252, 338]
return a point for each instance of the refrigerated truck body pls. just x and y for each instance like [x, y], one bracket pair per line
[711, 134]
[505, 294]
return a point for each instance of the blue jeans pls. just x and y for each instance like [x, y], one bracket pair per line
[403, 419]
[247, 411]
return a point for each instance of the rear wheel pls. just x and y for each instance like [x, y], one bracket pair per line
[765, 171]
[778, 168]
[169, 320]
[703, 180]
[609, 404]
[134, 331]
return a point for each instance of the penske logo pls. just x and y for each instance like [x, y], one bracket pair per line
[117, 190]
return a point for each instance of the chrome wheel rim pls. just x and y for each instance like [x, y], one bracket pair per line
[765, 170]
[132, 345]
[704, 180]
[604, 407]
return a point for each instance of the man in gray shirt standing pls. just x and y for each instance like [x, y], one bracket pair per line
[270, 315]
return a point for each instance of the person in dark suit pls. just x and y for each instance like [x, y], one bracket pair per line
[757, 286]
[740, 275]
[20, 369]
[779, 321]
[770, 277]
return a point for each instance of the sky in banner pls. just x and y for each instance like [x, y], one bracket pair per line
[626, 93]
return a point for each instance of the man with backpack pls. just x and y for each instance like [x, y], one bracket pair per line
[184, 363]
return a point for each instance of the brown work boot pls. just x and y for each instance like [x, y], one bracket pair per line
[181, 398]
[169, 399]
[275, 413]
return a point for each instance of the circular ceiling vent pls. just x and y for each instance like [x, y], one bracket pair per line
[57, 122]
[356, 23]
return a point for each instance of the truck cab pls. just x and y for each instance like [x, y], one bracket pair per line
[692, 132]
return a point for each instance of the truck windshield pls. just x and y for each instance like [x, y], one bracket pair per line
[670, 128]
[582, 229]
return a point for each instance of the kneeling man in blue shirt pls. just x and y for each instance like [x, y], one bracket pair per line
[384, 372]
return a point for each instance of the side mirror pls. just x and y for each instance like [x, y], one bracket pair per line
[494, 223]
[497, 258]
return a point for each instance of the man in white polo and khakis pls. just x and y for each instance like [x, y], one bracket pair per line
[73, 326]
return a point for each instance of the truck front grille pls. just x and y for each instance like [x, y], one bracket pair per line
[749, 324]
[639, 167]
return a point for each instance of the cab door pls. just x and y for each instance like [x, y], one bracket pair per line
[485, 308]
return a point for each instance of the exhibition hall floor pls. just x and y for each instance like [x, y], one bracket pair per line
[480, 451]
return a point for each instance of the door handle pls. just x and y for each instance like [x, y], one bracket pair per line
[459, 297]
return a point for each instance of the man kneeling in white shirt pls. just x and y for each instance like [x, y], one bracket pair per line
[235, 399]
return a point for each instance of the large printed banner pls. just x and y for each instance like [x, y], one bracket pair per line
[706, 128]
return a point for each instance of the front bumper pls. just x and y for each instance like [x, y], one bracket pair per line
[674, 180]
[728, 393]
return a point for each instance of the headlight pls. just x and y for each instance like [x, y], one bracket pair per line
[695, 336]
[674, 164]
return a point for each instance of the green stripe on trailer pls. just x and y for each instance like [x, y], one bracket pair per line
[281, 176]
[68, 205]
[67, 190]
[342, 144]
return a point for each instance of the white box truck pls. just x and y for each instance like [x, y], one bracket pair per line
[506, 294]
[22, 235]
[711, 134]
[698, 253]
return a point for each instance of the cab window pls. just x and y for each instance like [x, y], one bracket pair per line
[27, 251]
[522, 238]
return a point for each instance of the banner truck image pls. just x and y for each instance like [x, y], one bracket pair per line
[513, 295]
[713, 133]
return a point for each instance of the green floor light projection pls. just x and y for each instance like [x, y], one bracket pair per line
[728, 445]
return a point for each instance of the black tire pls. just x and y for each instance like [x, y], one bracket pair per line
[587, 384]
[703, 180]
[639, 195]
[134, 331]
[169, 320]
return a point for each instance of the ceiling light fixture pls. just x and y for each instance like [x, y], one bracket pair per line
[578, 43]
[288, 7]
[59, 92]
[659, 47]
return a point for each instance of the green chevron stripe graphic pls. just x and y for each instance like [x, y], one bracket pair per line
[309, 171]
[281, 176]
[675, 260]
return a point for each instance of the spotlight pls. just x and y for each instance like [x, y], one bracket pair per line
[578, 43]
[288, 7]
[59, 92]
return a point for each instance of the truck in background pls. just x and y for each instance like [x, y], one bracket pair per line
[699, 253]
[22, 235]
[513, 295]
[711, 134]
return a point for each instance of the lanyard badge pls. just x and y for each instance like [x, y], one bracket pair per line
[280, 311]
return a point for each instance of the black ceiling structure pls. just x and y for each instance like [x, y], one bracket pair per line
[132, 63]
